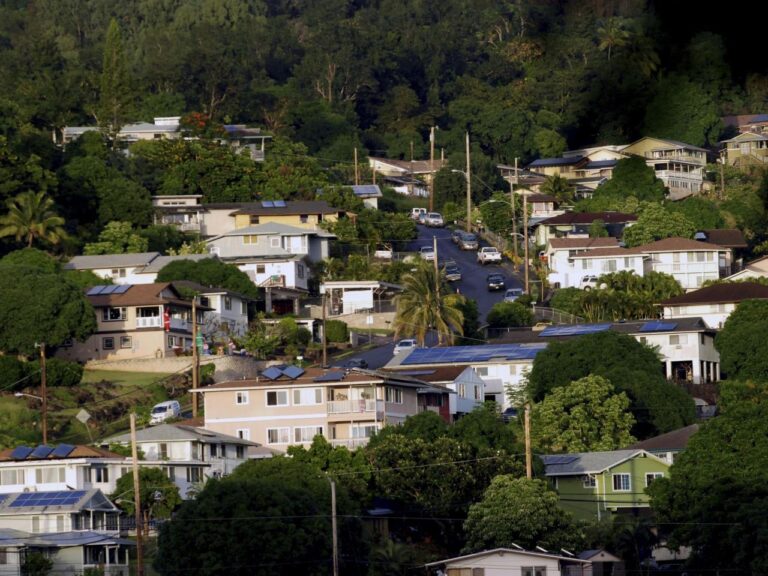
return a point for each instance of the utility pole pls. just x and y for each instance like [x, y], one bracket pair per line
[195, 359]
[432, 169]
[528, 458]
[333, 527]
[137, 500]
[722, 174]
[437, 285]
[525, 239]
[357, 170]
[325, 341]
[469, 189]
[44, 392]
[512, 185]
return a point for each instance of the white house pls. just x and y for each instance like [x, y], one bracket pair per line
[713, 303]
[466, 387]
[756, 269]
[578, 224]
[690, 262]
[185, 211]
[272, 239]
[595, 263]
[511, 562]
[563, 270]
[354, 296]
[140, 268]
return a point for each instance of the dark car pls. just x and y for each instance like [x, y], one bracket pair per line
[355, 363]
[456, 235]
[468, 241]
[452, 271]
[495, 282]
[509, 414]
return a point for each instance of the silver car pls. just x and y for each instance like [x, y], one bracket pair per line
[512, 294]
[468, 241]
[434, 220]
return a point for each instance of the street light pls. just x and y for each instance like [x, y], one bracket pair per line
[45, 411]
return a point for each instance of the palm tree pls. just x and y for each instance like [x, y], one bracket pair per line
[612, 34]
[422, 306]
[30, 217]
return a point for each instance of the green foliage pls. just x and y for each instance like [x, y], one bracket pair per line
[116, 86]
[558, 187]
[658, 406]
[522, 512]
[427, 426]
[597, 229]
[117, 238]
[37, 564]
[210, 272]
[158, 494]
[742, 342]
[470, 325]
[497, 213]
[343, 199]
[485, 431]
[656, 223]
[567, 300]
[583, 416]
[632, 179]
[62, 373]
[336, 331]
[33, 258]
[31, 218]
[509, 314]
[261, 339]
[704, 214]
[12, 373]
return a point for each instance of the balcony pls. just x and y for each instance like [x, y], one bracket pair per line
[350, 443]
[355, 406]
[149, 322]
[180, 324]
[190, 227]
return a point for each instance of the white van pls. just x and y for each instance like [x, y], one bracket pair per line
[165, 411]
[416, 212]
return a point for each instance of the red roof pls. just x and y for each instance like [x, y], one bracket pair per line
[589, 217]
[721, 294]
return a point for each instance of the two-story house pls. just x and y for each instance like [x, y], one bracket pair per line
[289, 405]
[679, 165]
[582, 268]
[226, 312]
[715, 303]
[140, 268]
[416, 174]
[136, 321]
[564, 271]
[597, 485]
[184, 211]
[578, 224]
[77, 530]
[690, 262]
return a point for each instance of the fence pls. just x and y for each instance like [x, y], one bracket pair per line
[542, 313]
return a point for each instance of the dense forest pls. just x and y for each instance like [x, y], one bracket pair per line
[526, 78]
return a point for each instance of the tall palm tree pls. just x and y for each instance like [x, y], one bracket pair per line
[612, 34]
[422, 305]
[30, 217]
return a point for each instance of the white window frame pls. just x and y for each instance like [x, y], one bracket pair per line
[277, 398]
[620, 478]
[652, 476]
[227, 302]
[274, 241]
[300, 433]
[11, 474]
[58, 471]
[307, 396]
[589, 481]
[241, 398]
[393, 395]
[243, 433]
[126, 342]
[281, 433]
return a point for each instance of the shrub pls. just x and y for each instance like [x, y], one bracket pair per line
[336, 331]
[62, 373]
[509, 314]
[11, 371]
[206, 373]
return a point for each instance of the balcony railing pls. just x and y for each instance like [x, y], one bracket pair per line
[352, 406]
[149, 322]
[350, 442]
[179, 324]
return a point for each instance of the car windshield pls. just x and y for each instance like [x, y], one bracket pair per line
[434, 215]
[514, 292]
[470, 237]
[427, 249]
[159, 409]
[494, 277]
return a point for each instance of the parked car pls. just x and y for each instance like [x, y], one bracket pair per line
[495, 281]
[354, 363]
[434, 220]
[452, 271]
[468, 241]
[421, 218]
[416, 212]
[427, 252]
[165, 411]
[488, 254]
[456, 235]
[509, 414]
[405, 345]
[512, 294]
[588, 282]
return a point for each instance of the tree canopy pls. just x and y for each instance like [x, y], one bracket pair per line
[209, 272]
[656, 223]
[742, 342]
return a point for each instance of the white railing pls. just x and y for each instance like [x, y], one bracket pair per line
[179, 324]
[350, 442]
[694, 175]
[350, 406]
[149, 322]
[190, 227]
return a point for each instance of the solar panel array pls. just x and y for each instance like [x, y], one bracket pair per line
[658, 326]
[273, 204]
[67, 498]
[275, 372]
[574, 330]
[559, 460]
[21, 452]
[41, 451]
[106, 290]
[272, 373]
[471, 354]
[330, 377]
[293, 372]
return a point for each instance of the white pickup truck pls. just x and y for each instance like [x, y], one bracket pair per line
[488, 254]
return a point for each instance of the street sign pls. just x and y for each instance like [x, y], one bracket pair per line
[369, 320]
[83, 416]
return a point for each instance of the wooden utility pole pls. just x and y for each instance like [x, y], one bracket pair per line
[525, 239]
[722, 174]
[195, 358]
[333, 527]
[437, 284]
[512, 184]
[137, 500]
[325, 341]
[528, 457]
[432, 169]
[357, 169]
[468, 173]
[44, 392]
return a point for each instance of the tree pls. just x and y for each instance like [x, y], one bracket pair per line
[658, 406]
[30, 217]
[558, 187]
[117, 238]
[509, 314]
[656, 223]
[518, 511]
[37, 564]
[428, 426]
[423, 306]
[742, 342]
[262, 339]
[597, 229]
[720, 475]
[210, 272]
[584, 416]
[485, 431]
[159, 496]
[116, 87]
[632, 178]
[612, 34]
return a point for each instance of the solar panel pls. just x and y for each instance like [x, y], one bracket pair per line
[92, 291]
[658, 326]
[62, 450]
[279, 203]
[574, 330]
[3, 497]
[37, 499]
[472, 354]
[21, 452]
[267, 204]
[273, 373]
[330, 377]
[122, 289]
[293, 372]
[560, 460]
[109, 289]
[41, 451]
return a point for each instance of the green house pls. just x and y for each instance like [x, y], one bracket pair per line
[595, 485]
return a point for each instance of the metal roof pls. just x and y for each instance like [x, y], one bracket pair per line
[472, 354]
[110, 261]
[555, 161]
[588, 462]
[171, 432]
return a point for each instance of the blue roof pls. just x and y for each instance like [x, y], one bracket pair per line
[658, 326]
[556, 161]
[472, 354]
[574, 330]
[602, 164]
[367, 190]
[59, 498]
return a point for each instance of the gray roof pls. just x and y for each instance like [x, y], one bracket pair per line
[512, 552]
[669, 442]
[366, 190]
[19, 539]
[110, 260]
[277, 228]
[586, 462]
[72, 501]
[171, 432]
[161, 261]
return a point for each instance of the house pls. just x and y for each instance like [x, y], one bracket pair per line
[421, 169]
[510, 562]
[136, 321]
[603, 563]
[679, 165]
[215, 455]
[228, 310]
[368, 193]
[579, 223]
[565, 167]
[77, 530]
[307, 214]
[541, 206]
[406, 185]
[690, 262]
[184, 211]
[732, 239]
[598, 485]
[563, 270]
[500, 366]
[285, 279]
[713, 303]
[581, 268]
[356, 296]
[289, 405]
[747, 149]
[755, 269]
[140, 268]
[668, 446]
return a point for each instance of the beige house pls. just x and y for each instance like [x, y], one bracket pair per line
[136, 321]
[679, 165]
[747, 149]
[308, 214]
[511, 562]
[288, 405]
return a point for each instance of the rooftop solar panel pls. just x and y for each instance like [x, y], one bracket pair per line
[94, 290]
[267, 204]
[109, 289]
[658, 326]
[39, 499]
[279, 203]
[471, 354]
[293, 372]
[21, 452]
[559, 460]
[574, 330]
[62, 450]
[41, 451]
[330, 377]
[122, 289]
[3, 498]
[273, 373]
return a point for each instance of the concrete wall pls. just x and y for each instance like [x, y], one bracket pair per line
[227, 367]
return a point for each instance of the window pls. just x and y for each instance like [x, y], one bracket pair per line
[651, 476]
[306, 433]
[243, 307]
[250, 239]
[676, 262]
[533, 571]
[170, 471]
[99, 474]
[194, 474]
[126, 342]
[277, 398]
[643, 340]
[589, 481]
[239, 451]
[274, 241]
[50, 475]
[622, 483]
[703, 339]
[394, 395]
[3, 556]
[278, 435]
[461, 390]
[113, 314]
[195, 451]
[609, 266]
[627, 262]
[260, 269]
[482, 370]
[227, 303]
[35, 523]
[364, 431]
[118, 272]
[466, 572]
[584, 264]
[303, 218]
[171, 341]
[163, 449]
[304, 396]
[241, 398]
[254, 219]
[244, 433]
[59, 523]
[214, 450]
[108, 343]
[11, 476]
[300, 270]
[678, 339]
